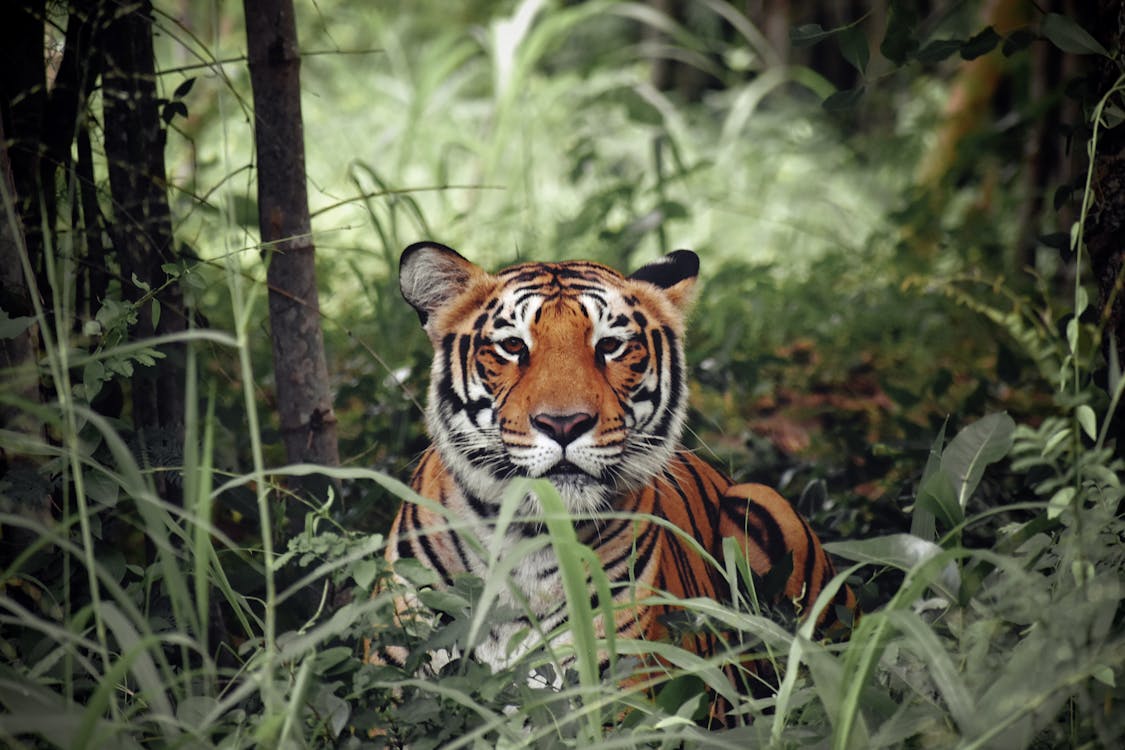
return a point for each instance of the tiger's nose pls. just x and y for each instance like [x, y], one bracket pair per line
[563, 428]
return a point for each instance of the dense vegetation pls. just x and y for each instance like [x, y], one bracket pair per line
[903, 325]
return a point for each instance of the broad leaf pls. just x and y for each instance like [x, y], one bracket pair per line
[843, 99]
[938, 497]
[980, 44]
[922, 519]
[938, 50]
[899, 42]
[854, 47]
[12, 327]
[984, 442]
[903, 551]
[1068, 36]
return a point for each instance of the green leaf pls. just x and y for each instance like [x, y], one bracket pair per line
[142, 285]
[103, 489]
[1088, 420]
[1072, 335]
[364, 572]
[415, 572]
[444, 600]
[1018, 40]
[808, 34]
[1060, 501]
[921, 639]
[938, 497]
[899, 42]
[1081, 300]
[938, 50]
[12, 327]
[843, 99]
[922, 519]
[854, 47]
[93, 376]
[980, 44]
[903, 551]
[192, 710]
[183, 89]
[984, 442]
[1068, 36]
[1062, 195]
[171, 109]
[32, 709]
[1056, 240]
[1104, 675]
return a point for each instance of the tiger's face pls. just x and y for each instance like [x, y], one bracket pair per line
[567, 371]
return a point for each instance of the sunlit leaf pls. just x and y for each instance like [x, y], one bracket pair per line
[1089, 422]
[1060, 501]
[1104, 675]
[1081, 300]
[903, 551]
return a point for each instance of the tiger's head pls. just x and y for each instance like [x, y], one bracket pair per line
[568, 371]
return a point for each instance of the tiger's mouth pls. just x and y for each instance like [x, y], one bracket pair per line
[566, 469]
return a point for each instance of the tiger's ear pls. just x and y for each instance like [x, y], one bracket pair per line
[431, 274]
[674, 273]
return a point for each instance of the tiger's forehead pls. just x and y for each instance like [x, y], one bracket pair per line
[579, 285]
[568, 277]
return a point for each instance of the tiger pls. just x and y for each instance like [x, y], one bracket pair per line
[574, 373]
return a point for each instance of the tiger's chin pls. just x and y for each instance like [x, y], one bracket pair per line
[581, 493]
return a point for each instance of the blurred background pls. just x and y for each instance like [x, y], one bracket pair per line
[856, 179]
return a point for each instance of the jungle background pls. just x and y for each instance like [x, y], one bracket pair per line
[910, 220]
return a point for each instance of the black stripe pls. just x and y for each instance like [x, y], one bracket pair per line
[769, 538]
[810, 565]
[696, 532]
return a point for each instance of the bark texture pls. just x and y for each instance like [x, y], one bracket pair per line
[304, 401]
[19, 353]
[142, 232]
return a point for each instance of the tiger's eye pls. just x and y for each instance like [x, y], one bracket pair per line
[513, 345]
[608, 345]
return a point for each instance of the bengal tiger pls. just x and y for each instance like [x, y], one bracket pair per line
[575, 373]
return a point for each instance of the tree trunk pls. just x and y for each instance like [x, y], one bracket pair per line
[23, 101]
[19, 352]
[1105, 226]
[304, 402]
[142, 234]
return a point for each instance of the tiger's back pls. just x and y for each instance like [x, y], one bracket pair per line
[575, 373]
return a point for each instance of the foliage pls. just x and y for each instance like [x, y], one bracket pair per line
[846, 312]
